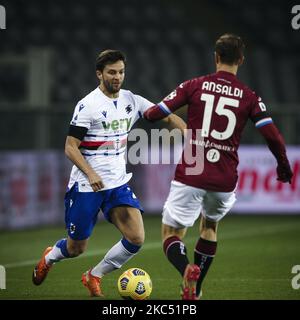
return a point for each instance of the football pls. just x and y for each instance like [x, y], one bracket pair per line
[135, 284]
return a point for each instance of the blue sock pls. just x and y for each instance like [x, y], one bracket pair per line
[62, 245]
[132, 248]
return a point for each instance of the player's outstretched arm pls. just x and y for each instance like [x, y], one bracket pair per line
[155, 113]
[175, 122]
[276, 144]
[73, 153]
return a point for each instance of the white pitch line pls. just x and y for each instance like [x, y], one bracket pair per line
[157, 244]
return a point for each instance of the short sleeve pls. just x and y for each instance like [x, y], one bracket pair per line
[142, 105]
[82, 116]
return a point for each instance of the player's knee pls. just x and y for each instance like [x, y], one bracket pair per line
[137, 239]
[209, 225]
[76, 250]
[168, 232]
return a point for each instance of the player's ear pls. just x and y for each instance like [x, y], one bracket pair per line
[217, 58]
[99, 74]
[241, 60]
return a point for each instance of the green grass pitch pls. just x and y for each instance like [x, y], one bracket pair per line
[254, 260]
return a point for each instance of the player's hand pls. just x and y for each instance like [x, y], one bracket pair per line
[284, 173]
[95, 181]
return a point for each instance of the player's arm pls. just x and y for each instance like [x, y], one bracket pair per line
[175, 100]
[264, 123]
[175, 122]
[72, 151]
[276, 144]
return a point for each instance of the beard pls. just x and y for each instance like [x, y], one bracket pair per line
[111, 88]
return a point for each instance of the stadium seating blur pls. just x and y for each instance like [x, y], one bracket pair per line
[165, 43]
[47, 63]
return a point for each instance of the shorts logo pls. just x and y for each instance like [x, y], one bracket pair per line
[71, 203]
[72, 228]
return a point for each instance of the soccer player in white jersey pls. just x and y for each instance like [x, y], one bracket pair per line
[96, 144]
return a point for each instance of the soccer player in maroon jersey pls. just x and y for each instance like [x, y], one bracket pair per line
[219, 105]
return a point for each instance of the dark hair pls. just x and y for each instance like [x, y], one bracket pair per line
[109, 57]
[230, 48]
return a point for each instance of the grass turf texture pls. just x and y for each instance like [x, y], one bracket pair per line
[254, 260]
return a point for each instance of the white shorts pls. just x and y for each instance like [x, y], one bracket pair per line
[185, 203]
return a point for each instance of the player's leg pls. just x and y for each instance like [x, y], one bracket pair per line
[80, 215]
[66, 248]
[174, 247]
[181, 209]
[130, 223]
[215, 206]
[122, 208]
[205, 249]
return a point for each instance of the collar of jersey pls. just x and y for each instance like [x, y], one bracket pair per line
[108, 98]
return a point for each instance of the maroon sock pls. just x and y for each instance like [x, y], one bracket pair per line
[205, 251]
[175, 251]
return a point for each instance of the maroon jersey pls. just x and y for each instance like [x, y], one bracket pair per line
[219, 105]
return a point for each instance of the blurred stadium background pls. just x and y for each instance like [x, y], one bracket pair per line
[47, 54]
[47, 59]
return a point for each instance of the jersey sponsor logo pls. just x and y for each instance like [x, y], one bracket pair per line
[122, 124]
[209, 144]
[213, 155]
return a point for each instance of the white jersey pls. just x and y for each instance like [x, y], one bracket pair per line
[108, 122]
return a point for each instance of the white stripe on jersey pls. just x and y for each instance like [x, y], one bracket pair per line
[164, 108]
[263, 122]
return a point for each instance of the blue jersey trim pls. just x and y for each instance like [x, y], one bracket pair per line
[264, 123]
[132, 248]
[164, 108]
